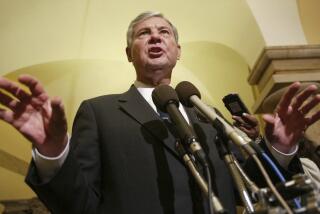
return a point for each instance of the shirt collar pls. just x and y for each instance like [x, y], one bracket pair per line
[146, 91]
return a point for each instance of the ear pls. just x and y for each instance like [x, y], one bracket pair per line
[179, 52]
[128, 52]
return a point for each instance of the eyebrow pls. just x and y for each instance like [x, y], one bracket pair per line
[142, 29]
[148, 28]
[164, 27]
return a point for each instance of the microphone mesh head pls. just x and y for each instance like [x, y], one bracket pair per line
[163, 95]
[185, 90]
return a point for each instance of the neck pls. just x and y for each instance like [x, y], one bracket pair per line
[155, 77]
[155, 82]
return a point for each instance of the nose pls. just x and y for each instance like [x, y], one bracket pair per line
[154, 37]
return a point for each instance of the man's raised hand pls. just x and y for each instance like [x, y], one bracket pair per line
[37, 117]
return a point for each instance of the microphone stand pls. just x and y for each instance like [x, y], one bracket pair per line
[248, 182]
[217, 206]
[223, 126]
[235, 174]
[242, 180]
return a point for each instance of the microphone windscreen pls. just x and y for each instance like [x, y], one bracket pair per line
[163, 95]
[185, 90]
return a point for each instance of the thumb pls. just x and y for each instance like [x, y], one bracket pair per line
[270, 121]
[58, 113]
[268, 118]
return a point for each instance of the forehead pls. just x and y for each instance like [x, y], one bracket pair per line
[153, 22]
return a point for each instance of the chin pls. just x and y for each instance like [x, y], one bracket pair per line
[157, 66]
[159, 80]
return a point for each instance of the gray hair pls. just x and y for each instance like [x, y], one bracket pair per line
[144, 16]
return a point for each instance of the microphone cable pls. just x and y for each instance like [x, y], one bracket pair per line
[273, 166]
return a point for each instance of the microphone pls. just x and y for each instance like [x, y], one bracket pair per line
[166, 99]
[190, 96]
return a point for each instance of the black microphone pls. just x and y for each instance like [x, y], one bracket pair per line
[166, 99]
[190, 96]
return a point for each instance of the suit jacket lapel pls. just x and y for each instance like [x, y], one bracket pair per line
[138, 108]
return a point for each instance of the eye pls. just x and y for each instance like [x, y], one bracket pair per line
[143, 32]
[164, 31]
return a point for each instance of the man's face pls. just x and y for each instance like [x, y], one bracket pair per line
[154, 51]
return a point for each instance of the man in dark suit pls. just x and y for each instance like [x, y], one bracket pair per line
[121, 156]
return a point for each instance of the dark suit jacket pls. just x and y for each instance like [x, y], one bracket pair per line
[122, 160]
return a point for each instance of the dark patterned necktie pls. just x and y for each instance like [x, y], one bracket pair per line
[164, 116]
[169, 124]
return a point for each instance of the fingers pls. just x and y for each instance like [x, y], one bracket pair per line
[310, 105]
[8, 101]
[300, 107]
[7, 116]
[14, 89]
[314, 118]
[238, 119]
[239, 122]
[250, 119]
[303, 96]
[33, 84]
[38, 96]
[247, 120]
[286, 99]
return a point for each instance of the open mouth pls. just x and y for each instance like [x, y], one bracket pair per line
[155, 52]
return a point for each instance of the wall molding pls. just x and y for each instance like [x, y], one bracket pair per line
[279, 66]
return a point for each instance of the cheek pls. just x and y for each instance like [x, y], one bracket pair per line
[140, 48]
[172, 48]
[137, 51]
[174, 52]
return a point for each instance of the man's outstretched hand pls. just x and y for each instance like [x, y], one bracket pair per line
[37, 117]
[287, 125]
